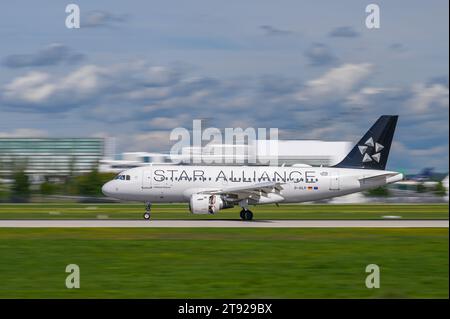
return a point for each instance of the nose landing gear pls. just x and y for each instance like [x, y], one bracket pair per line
[148, 207]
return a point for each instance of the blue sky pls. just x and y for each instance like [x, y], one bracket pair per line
[137, 69]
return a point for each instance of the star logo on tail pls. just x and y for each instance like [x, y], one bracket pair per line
[371, 151]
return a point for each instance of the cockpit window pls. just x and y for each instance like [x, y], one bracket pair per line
[123, 177]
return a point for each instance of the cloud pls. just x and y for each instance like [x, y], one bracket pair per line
[335, 84]
[429, 99]
[29, 88]
[90, 85]
[24, 132]
[164, 122]
[344, 32]
[277, 85]
[413, 158]
[51, 55]
[397, 47]
[273, 31]
[369, 95]
[140, 103]
[320, 55]
[442, 80]
[96, 19]
[158, 140]
[43, 91]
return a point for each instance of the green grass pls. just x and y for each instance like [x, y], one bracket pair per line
[181, 211]
[224, 263]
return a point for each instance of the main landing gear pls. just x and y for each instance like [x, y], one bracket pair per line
[148, 207]
[246, 214]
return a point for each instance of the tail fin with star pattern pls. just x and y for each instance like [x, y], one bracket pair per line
[372, 150]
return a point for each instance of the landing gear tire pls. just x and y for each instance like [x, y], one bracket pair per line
[148, 207]
[246, 215]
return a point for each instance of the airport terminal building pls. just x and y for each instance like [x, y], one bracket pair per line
[50, 156]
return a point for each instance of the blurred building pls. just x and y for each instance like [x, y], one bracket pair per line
[261, 152]
[56, 157]
[264, 152]
[129, 160]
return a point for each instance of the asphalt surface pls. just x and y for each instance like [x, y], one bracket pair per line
[224, 223]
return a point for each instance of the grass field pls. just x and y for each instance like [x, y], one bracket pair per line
[181, 211]
[224, 263]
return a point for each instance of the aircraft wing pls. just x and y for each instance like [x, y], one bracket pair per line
[249, 191]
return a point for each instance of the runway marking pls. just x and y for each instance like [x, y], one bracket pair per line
[224, 223]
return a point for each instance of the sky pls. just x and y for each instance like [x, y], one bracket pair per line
[137, 69]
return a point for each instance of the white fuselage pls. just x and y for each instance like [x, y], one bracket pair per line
[167, 184]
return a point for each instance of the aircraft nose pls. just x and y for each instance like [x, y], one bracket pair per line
[107, 189]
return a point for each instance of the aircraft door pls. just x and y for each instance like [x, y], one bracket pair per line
[147, 178]
[334, 182]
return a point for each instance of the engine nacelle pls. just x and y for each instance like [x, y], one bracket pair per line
[207, 204]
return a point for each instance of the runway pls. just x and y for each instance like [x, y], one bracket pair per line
[224, 223]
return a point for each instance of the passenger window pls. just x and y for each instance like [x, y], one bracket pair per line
[128, 177]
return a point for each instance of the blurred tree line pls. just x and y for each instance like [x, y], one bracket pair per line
[20, 189]
[383, 191]
[89, 184]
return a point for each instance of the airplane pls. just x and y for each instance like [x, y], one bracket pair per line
[426, 178]
[424, 175]
[209, 189]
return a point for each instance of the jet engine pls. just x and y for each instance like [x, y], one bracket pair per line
[207, 204]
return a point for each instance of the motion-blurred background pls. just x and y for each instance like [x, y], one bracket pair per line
[79, 105]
